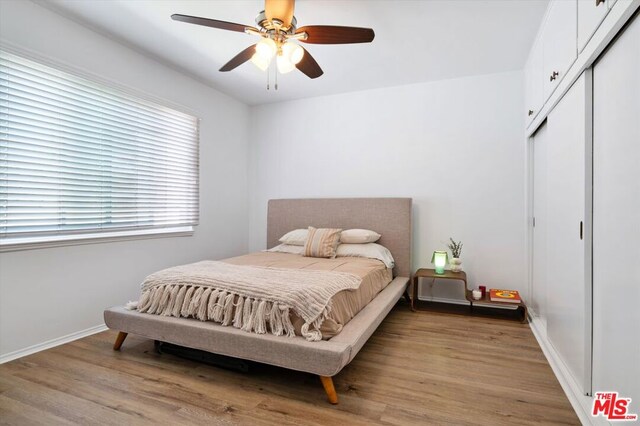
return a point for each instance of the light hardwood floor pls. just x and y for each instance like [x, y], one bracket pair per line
[418, 368]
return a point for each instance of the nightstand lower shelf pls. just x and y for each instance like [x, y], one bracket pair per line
[485, 302]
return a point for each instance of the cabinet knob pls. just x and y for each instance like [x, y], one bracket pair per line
[553, 76]
[530, 113]
[599, 2]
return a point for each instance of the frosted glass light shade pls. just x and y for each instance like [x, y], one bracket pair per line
[439, 260]
[293, 52]
[266, 48]
[284, 65]
[260, 62]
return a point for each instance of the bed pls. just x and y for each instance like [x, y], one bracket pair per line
[391, 217]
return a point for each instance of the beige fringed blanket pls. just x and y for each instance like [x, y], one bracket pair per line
[254, 299]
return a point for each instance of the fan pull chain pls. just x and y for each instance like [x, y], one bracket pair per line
[268, 77]
[276, 73]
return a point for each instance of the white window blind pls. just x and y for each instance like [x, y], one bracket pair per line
[79, 157]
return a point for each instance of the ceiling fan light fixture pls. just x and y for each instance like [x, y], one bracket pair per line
[277, 28]
[266, 48]
[284, 64]
[260, 62]
[293, 52]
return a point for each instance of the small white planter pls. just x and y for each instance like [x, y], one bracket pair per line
[455, 264]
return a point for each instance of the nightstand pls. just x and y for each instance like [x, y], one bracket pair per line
[431, 273]
[461, 276]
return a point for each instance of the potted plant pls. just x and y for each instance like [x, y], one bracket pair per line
[456, 250]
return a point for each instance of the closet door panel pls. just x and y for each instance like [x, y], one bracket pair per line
[539, 278]
[566, 316]
[616, 218]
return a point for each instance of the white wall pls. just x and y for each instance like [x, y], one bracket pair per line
[49, 293]
[454, 146]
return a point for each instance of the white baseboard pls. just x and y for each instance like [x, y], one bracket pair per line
[51, 343]
[581, 403]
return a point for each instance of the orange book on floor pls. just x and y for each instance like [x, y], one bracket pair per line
[509, 296]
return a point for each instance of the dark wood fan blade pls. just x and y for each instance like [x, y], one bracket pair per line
[213, 23]
[329, 34]
[239, 59]
[279, 9]
[309, 66]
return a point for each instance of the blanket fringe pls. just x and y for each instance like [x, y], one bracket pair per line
[218, 309]
[260, 320]
[286, 322]
[177, 305]
[237, 319]
[275, 320]
[143, 303]
[194, 306]
[187, 302]
[155, 299]
[172, 298]
[246, 315]
[227, 310]
[208, 304]
[204, 304]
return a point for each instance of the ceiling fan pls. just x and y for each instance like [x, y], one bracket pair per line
[277, 28]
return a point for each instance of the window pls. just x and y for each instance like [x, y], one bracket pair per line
[79, 158]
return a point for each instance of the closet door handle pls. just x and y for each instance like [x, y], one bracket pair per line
[599, 2]
[553, 76]
[530, 113]
[581, 230]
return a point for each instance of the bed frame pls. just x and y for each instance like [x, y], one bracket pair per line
[390, 217]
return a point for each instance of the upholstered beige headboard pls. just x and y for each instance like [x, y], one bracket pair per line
[390, 217]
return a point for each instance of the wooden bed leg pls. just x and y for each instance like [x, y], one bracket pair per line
[407, 298]
[119, 340]
[327, 383]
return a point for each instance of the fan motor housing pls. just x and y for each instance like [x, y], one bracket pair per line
[275, 24]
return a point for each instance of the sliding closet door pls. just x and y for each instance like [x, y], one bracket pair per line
[616, 218]
[566, 292]
[539, 274]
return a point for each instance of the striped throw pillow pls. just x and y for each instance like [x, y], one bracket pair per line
[322, 242]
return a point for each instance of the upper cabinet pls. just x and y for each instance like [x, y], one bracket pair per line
[570, 33]
[552, 54]
[591, 13]
[559, 42]
[534, 82]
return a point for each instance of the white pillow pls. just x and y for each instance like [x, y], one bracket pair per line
[297, 237]
[287, 248]
[368, 250]
[359, 236]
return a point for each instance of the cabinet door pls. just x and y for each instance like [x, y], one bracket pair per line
[566, 183]
[590, 14]
[616, 217]
[559, 43]
[534, 97]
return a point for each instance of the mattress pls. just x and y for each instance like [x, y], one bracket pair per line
[345, 304]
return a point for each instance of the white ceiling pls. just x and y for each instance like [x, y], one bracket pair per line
[416, 41]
